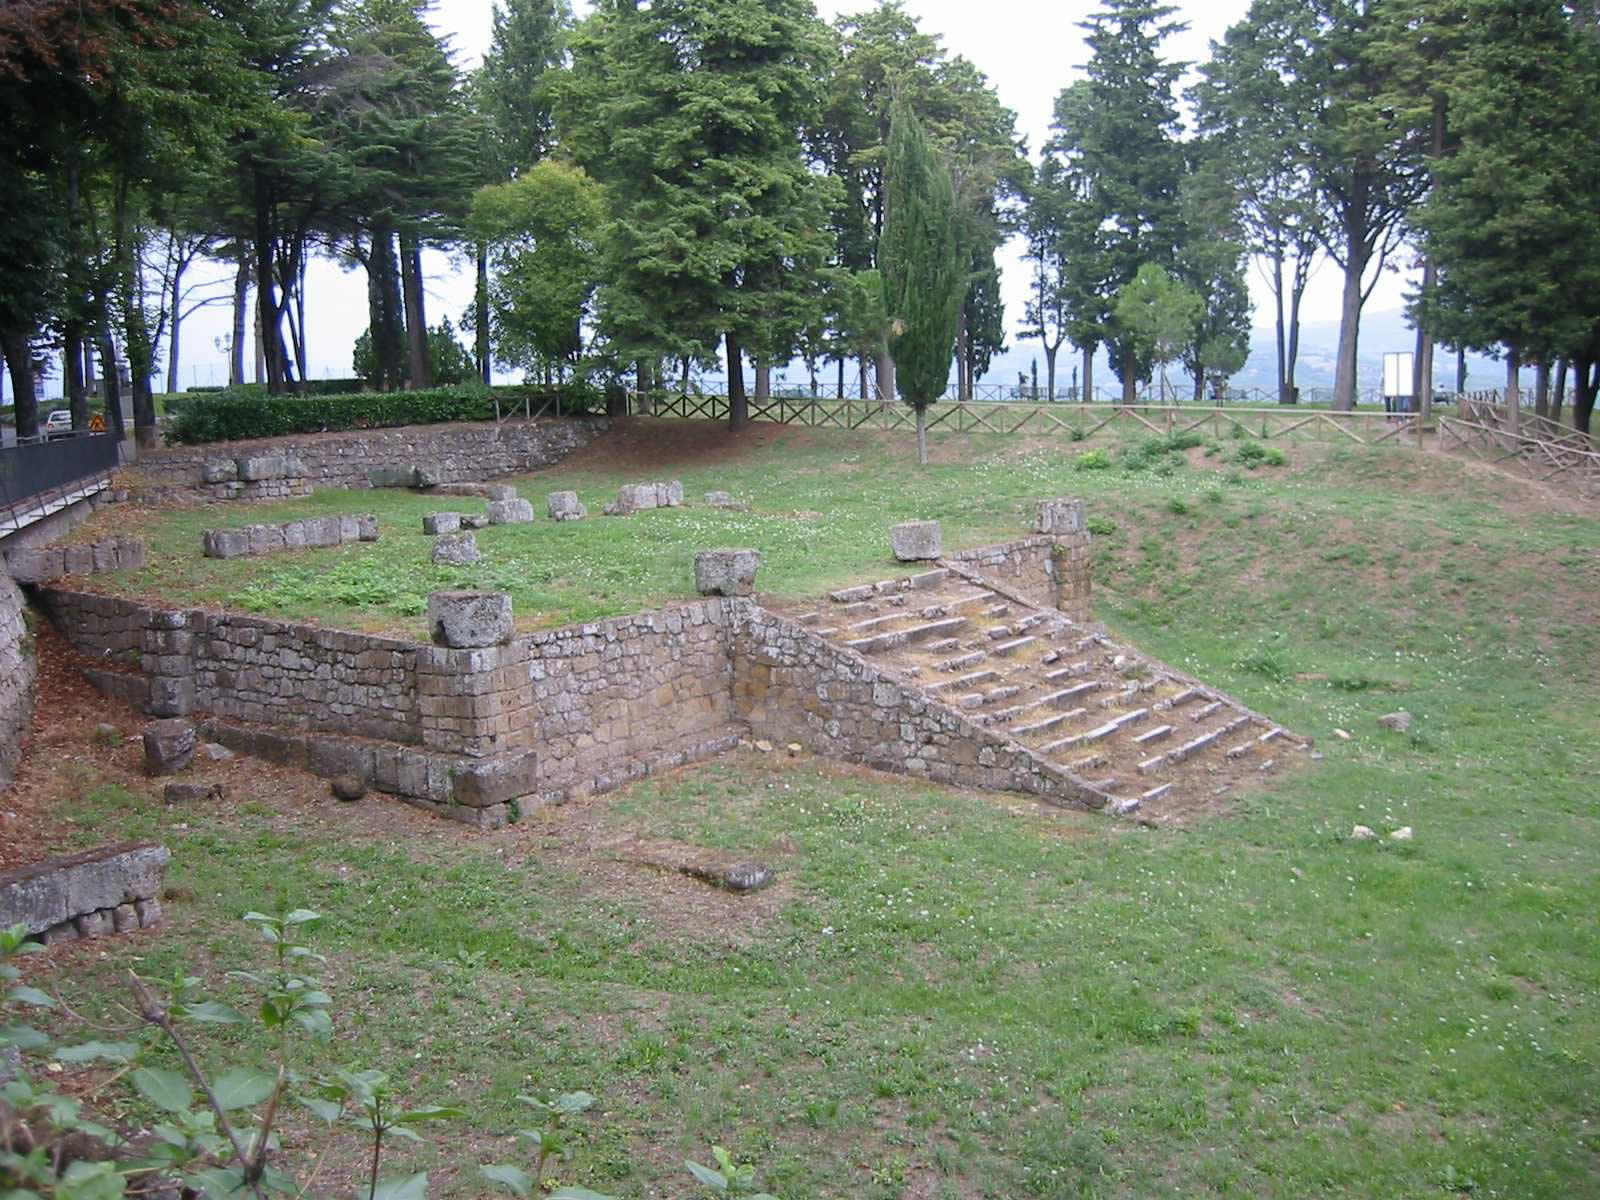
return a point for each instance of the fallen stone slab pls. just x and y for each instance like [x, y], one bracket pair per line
[725, 500]
[565, 506]
[1399, 721]
[456, 549]
[510, 512]
[640, 497]
[468, 619]
[732, 877]
[108, 890]
[916, 541]
[726, 571]
[191, 793]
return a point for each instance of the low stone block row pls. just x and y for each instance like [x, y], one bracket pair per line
[253, 540]
[91, 558]
[110, 890]
[639, 497]
[486, 793]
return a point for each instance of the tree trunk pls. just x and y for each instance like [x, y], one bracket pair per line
[1541, 389]
[266, 291]
[885, 364]
[1293, 358]
[1344, 374]
[141, 357]
[1277, 304]
[862, 364]
[1050, 371]
[1559, 396]
[1584, 385]
[962, 352]
[72, 367]
[841, 377]
[174, 298]
[416, 318]
[922, 434]
[1130, 382]
[300, 353]
[1199, 385]
[481, 314]
[763, 379]
[1461, 369]
[1088, 374]
[241, 298]
[18, 349]
[738, 407]
[1513, 393]
[112, 381]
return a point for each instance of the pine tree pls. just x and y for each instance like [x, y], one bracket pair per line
[924, 267]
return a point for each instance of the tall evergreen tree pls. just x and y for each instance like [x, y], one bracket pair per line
[690, 112]
[1116, 142]
[924, 267]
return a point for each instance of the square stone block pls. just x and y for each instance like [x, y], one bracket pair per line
[469, 619]
[916, 541]
[510, 512]
[441, 522]
[1059, 516]
[565, 506]
[726, 571]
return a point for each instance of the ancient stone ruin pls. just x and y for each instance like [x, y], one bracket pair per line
[640, 497]
[111, 890]
[254, 540]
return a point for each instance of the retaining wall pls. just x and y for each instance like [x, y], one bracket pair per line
[18, 670]
[271, 468]
[1050, 570]
[111, 890]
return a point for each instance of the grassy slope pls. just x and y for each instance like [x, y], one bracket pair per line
[953, 994]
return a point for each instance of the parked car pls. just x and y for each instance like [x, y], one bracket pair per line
[58, 423]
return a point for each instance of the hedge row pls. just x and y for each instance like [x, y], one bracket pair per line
[238, 414]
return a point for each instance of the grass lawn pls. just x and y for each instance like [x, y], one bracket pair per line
[953, 994]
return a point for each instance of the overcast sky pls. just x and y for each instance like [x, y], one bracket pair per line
[1029, 49]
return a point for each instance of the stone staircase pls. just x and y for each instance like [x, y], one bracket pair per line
[1151, 740]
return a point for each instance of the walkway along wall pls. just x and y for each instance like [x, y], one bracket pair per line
[482, 733]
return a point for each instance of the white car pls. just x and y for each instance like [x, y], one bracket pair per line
[58, 422]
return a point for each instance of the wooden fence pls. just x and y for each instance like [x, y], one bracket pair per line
[1076, 421]
[1541, 458]
[1488, 409]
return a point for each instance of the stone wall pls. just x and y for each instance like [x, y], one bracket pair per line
[266, 469]
[18, 669]
[1050, 570]
[111, 890]
[35, 564]
[791, 685]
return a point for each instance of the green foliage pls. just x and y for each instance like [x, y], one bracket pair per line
[922, 265]
[1252, 454]
[1092, 460]
[1155, 317]
[449, 363]
[1101, 526]
[230, 416]
[727, 1178]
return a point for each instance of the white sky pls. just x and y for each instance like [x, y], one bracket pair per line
[1029, 49]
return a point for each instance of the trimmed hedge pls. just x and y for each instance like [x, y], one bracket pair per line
[248, 413]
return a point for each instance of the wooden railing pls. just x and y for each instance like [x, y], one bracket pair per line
[1541, 458]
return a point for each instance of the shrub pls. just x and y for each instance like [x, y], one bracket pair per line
[1251, 455]
[1101, 526]
[1092, 460]
[244, 413]
[1178, 506]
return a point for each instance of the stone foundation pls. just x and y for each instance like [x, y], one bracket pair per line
[253, 540]
[111, 890]
[440, 455]
[40, 563]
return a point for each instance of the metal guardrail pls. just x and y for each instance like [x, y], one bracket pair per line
[40, 477]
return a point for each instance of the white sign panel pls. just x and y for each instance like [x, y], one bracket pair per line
[1397, 374]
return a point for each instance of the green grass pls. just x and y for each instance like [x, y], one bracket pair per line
[961, 995]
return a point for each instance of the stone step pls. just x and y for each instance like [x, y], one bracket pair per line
[1101, 732]
[925, 581]
[872, 623]
[1006, 649]
[905, 637]
[1104, 785]
[1155, 793]
[826, 631]
[997, 610]
[1267, 766]
[1121, 808]
[1028, 622]
[895, 601]
[965, 681]
[1270, 735]
[1239, 751]
[1179, 700]
[970, 600]
[1206, 711]
[808, 618]
[961, 661]
[856, 607]
[1005, 692]
[1070, 671]
[995, 632]
[850, 595]
[1150, 737]
[1192, 747]
[940, 645]
[1090, 763]
[1054, 721]
[1121, 699]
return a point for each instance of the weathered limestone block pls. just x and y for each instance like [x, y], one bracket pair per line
[78, 560]
[37, 564]
[390, 477]
[50, 897]
[225, 543]
[638, 497]
[1059, 516]
[441, 522]
[495, 780]
[724, 500]
[469, 620]
[265, 539]
[130, 554]
[726, 572]
[104, 556]
[191, 793]
[220, 470]
[456, 549]
[257, 467]
[499, 491]
[510, 512]
[474, 521]
[916, 541]
[322, 531]
[565, 506]
[366, 527]
[168, 746]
